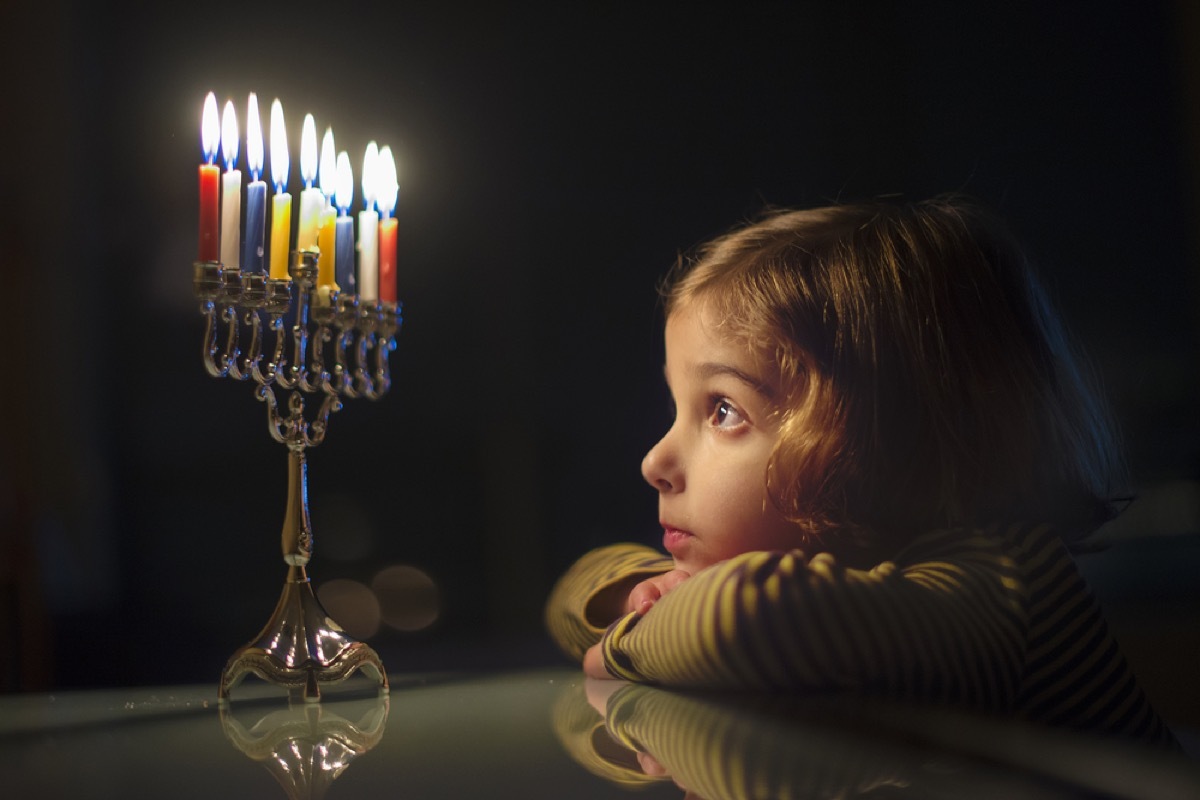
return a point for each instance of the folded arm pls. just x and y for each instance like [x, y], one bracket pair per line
[948, 628]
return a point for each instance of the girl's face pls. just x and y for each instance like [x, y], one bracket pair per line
[710, 467]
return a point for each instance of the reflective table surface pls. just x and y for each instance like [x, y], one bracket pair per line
[545, 733]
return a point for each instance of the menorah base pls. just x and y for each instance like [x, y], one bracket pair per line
[301, 648]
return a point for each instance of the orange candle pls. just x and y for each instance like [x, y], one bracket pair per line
[386, 200]
[210, 236]
[281, 203]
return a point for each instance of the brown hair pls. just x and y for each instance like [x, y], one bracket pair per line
[926, 380]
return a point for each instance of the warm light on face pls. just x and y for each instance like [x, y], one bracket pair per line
[328, 172]
[229, 136]
[254, 139]
[369, 174]
[210, 128]
[280, 161]
[308, 151]
[344, 192]
[386, 182]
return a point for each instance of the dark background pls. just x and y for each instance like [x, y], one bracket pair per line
[553, 160]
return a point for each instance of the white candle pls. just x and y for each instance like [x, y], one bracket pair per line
[368, 230]
[311, 199]
[231, 191]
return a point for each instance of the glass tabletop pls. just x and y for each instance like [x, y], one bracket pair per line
[546, 733]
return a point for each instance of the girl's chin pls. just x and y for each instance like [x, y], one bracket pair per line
[690, 565]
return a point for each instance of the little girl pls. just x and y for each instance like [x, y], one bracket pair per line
[882, 446]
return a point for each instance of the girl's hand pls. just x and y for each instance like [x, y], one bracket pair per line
[641, 599]
[643, 596]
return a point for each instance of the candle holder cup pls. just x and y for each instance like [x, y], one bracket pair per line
[301, 647]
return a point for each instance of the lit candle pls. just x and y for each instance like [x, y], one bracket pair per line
[256, 191]
[327, 221]
[368, 230]
[344, 236]
[387, 188]
[281, 203]
[311, 199]
[231, 190]
[209, 217]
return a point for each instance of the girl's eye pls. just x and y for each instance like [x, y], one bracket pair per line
[725, 414]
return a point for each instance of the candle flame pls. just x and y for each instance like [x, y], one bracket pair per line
[386, 184]
[328, 165]
[280, 162]
[254, 139]
[229, 136]
[344, 192]
[370, 170]
[308, 151]
[210, 128]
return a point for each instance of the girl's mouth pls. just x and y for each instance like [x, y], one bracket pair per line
[674, 539]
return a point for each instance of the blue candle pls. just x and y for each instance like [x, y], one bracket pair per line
[256, 192]
[344, 229]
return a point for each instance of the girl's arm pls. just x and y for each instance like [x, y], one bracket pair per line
[593, 593]
[951, 627]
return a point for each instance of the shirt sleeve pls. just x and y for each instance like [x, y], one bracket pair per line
[571, 617]
[950, 628]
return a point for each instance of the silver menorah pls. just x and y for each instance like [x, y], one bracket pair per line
[344, 356]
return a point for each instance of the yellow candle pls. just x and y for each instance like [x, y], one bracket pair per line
[281, 234]
[281, 203]
[326, 241]
[327, 221]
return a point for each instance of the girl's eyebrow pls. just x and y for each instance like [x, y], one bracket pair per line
[709, 369]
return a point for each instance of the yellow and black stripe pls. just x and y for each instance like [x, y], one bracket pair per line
[997, 620]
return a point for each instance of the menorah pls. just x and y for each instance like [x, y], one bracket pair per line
[344, 357]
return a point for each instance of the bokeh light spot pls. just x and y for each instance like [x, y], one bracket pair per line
[409, 599]
[352, 605]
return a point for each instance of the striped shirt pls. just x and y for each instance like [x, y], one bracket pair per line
[998, 620]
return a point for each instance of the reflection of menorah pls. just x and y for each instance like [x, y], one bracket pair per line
[300, 647]
[307, 748]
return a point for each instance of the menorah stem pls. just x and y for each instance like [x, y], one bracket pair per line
[297, 530]
[300, 647]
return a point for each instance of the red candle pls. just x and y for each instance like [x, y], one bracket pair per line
[210, 236]
[387, 260]
[387, 188]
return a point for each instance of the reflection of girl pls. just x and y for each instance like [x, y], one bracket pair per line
[717, 747]
[882, 442]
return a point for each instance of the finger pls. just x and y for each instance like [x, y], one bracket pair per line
[642, 597]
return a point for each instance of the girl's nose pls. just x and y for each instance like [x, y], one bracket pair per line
[661, 467]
